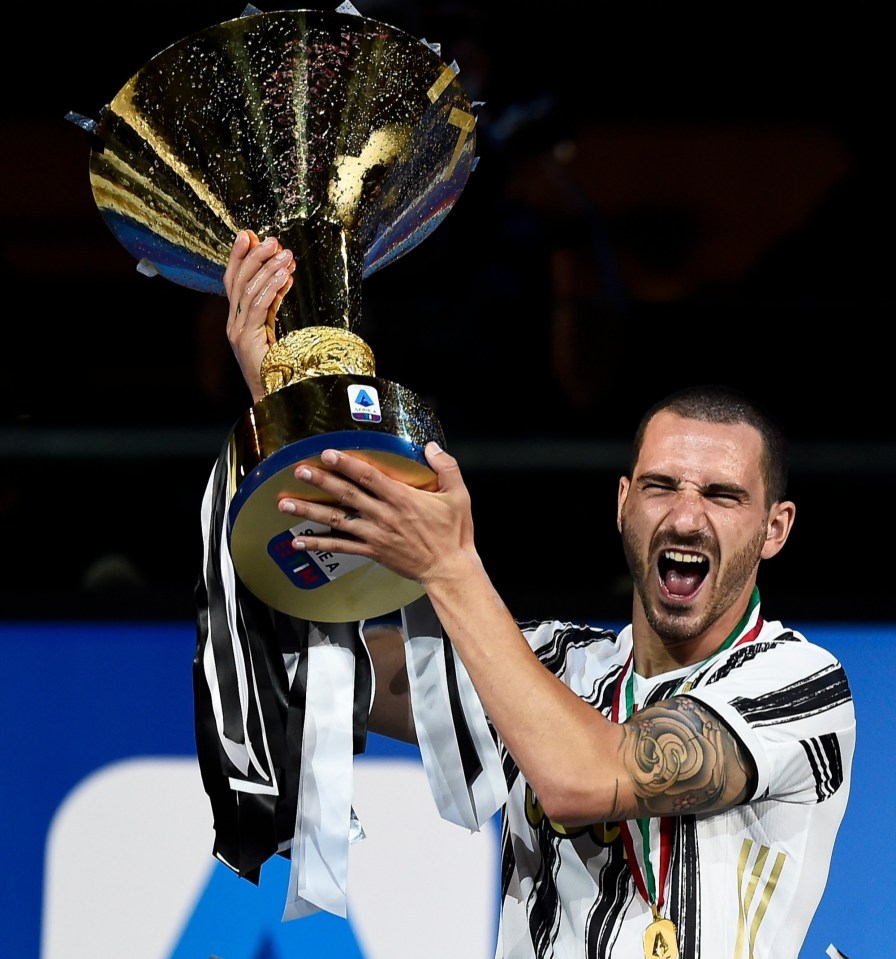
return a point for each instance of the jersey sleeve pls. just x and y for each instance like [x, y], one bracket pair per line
[789, 703]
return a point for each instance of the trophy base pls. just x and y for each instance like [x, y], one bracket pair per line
[381, 422]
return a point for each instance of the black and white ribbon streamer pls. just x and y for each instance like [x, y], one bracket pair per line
[456, 744]
[281, 708]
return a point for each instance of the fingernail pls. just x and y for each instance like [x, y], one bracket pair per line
[298, 544]
[329, 456]
[287, 506]
[304, 473]
[283, 255]
[436, 447]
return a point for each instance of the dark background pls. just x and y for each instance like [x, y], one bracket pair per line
[659, 200]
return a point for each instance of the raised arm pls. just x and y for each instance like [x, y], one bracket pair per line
[257, 277]
[673, 757]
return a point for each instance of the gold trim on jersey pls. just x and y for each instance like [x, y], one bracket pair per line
[749, 883]
[603, 833]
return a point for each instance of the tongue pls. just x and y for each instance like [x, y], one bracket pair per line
[681, 584]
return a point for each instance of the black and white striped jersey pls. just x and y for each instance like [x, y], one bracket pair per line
[742, 884]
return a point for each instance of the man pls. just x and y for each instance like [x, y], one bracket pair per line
[673, 789]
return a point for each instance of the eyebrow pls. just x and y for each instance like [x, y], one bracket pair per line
[707, 489]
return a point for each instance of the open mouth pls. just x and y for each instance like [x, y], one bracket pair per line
[682, 573]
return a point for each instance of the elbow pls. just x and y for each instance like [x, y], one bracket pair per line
[579, 803]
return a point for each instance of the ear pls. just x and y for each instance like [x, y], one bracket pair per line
[779, 525]
[621, 496]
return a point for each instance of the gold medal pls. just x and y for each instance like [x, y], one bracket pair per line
[659, 939]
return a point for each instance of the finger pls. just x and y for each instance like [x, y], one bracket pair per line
[346, 522]
[247, 255]
[437, 458]
[271, 318]
[446, 468]
[242, 244]
[340, 479]
[236, 276]
[363, 478]
[345, 527]
[269, 282]
[332, 544]
[252, 304]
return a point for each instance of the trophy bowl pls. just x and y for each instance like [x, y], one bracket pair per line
[350, 141]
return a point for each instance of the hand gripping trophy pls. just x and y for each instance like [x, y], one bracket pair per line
[350, 141]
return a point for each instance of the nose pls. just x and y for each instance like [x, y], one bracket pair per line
[687, 514]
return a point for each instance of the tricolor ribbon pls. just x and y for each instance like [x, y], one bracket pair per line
[656, 834]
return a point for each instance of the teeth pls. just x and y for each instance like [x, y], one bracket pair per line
[682, 557]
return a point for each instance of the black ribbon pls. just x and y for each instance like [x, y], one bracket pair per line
[251, 827]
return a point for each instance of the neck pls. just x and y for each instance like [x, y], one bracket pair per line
[658, 651]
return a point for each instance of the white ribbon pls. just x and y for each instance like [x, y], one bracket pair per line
[325, 822]
[465, 804]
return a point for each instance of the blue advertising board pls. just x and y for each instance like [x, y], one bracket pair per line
[108, 830]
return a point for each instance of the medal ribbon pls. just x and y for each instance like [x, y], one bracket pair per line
[646, 884]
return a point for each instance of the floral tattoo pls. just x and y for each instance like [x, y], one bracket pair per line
[681, 758]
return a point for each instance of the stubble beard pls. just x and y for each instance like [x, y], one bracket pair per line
[676, 624]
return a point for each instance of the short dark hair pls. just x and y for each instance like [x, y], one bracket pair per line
[714, 403]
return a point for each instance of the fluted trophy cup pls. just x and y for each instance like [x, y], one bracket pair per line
[350, 141]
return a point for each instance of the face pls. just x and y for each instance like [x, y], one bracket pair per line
[695, 525]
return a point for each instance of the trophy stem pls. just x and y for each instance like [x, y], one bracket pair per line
[326, 287]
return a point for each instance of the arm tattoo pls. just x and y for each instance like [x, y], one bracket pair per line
[683, 759]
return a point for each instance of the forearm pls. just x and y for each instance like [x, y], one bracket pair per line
[566, 749]
[671, 757]
[391, 714]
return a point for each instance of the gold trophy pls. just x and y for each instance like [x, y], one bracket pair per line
[350, 141]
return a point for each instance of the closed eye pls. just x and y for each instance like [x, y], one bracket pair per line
[725, 494]
[654, 484]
